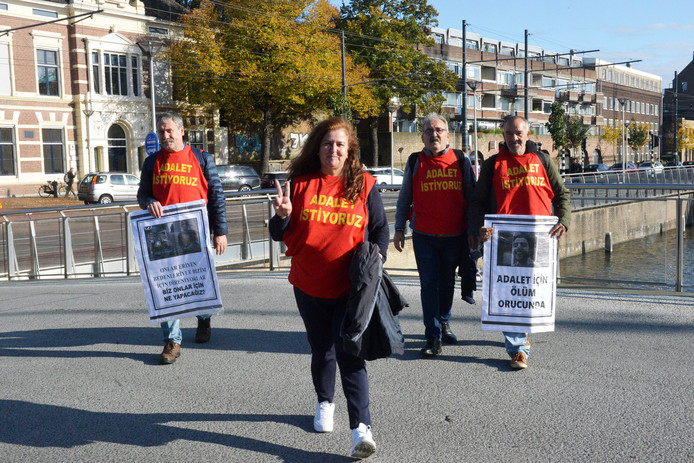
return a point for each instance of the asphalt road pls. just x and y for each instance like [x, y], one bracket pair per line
[79, 382]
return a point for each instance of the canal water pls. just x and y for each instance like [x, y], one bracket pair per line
[646, 263]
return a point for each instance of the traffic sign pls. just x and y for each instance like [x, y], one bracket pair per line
[151, 143]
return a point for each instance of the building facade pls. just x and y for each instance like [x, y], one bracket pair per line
[76, 89]
[584, 86]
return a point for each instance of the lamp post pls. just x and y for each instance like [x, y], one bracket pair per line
[393, 106]
[90, 165]
[473, 86]
[151, 48]
[623, 102]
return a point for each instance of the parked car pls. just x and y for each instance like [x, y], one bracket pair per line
[618, 166]
[268, 180]
[596, 168]
[688, 163]
[655, 167]
[383, 177]
[107, 187]
[673, 164]
[238, 178]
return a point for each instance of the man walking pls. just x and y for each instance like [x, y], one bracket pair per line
[157, 189]
[436, 186]
[519, 158]
[69, 179]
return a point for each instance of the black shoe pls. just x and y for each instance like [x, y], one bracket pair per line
[447, 335]
[204, 331]
[432, 348]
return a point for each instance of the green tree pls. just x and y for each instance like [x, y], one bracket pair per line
[264, 63]
[638, 135]
[576, 131]
[386, 37]
[556, 125]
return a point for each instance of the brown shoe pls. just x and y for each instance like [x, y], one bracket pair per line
[204, 331]
[518, 361]
[172, 350]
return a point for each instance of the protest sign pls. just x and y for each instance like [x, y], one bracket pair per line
[520, 271]
[176, 262]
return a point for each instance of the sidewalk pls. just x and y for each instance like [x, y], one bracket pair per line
[79, 382]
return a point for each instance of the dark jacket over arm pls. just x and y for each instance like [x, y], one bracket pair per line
[216, 201]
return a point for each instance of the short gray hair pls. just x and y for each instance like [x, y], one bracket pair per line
[171, 115]
[433, 116]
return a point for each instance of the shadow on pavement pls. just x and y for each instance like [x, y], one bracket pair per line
[38, 425]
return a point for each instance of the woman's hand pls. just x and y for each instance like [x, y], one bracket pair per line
[282, 203]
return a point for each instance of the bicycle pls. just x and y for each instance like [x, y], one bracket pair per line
[48, 190]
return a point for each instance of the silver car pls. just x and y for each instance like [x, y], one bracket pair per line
[107, 187]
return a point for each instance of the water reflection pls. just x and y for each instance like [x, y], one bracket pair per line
[646, 263]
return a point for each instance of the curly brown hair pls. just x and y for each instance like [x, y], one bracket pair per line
[308, 161]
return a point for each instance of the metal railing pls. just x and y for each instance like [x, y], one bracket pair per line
[95, 241]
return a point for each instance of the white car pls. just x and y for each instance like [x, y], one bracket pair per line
[383, 177]
[655, 167]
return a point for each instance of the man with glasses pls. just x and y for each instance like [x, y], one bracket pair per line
[435, 186]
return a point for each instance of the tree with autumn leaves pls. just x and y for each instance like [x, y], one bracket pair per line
[268, 63]
[265, 64]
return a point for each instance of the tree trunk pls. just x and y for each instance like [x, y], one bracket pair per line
[373, 129]
[267, 136]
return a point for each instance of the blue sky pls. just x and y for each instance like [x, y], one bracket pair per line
[661, 34]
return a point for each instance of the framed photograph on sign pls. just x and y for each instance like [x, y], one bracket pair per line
[519, 277]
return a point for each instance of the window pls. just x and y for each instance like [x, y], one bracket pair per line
[53, 151]
[5, 86]
[47, 61]
[508, 51]
[95, 72]
[536, 105]
[604, 103]
[195, 139]
[609, 76]
[490, 47]
[438, 38]
[548, 83]
[503, 104]
[135, 70]
[115, 72]
[158, 30]
[473, 73]
[472, 45]
[506, 78]
[3, 6]
[6, 151]
[46, 13]
[547, 107]
[611, 107]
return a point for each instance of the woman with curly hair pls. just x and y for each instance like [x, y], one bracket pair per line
[328, 207]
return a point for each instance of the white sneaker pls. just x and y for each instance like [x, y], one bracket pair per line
[363, 444]
[323, 422]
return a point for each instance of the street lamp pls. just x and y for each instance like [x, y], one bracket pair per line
[393, 106]
[89, 113]
[473, 86]
[151, 48]
[623, 102]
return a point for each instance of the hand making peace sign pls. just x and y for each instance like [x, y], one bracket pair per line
[282, 203]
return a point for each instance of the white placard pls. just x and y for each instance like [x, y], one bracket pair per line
[520, 274]
[176, 262]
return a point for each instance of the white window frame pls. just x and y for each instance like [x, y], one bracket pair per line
[63, 145]
[44, 40]
[12, 143]
[7, 74]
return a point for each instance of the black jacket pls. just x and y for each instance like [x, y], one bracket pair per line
[370, 329]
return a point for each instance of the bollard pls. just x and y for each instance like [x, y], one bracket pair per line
[608, 242]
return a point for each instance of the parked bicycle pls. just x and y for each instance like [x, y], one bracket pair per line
[52, 188]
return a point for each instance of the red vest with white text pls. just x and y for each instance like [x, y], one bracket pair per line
[178, 178]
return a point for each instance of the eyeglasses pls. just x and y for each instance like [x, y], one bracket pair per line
[438, 131]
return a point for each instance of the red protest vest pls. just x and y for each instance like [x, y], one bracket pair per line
[178, 178]
[521, 185]
[323, 233]
[437, 195]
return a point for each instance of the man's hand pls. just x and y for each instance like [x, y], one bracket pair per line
[282, 203]
[220, 244]
[557, 231]
[472, 242]
[156, 209]
[399, 240]
[486, 234]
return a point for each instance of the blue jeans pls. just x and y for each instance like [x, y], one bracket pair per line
[437, 258]
[172, 329]
[517, 342]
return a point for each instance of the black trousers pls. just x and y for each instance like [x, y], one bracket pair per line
[322, 319]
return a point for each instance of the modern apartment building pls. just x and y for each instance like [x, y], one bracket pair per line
[587, 87]
[76, 88]
[678, 104]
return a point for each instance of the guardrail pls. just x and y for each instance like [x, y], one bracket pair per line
[95, 241]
